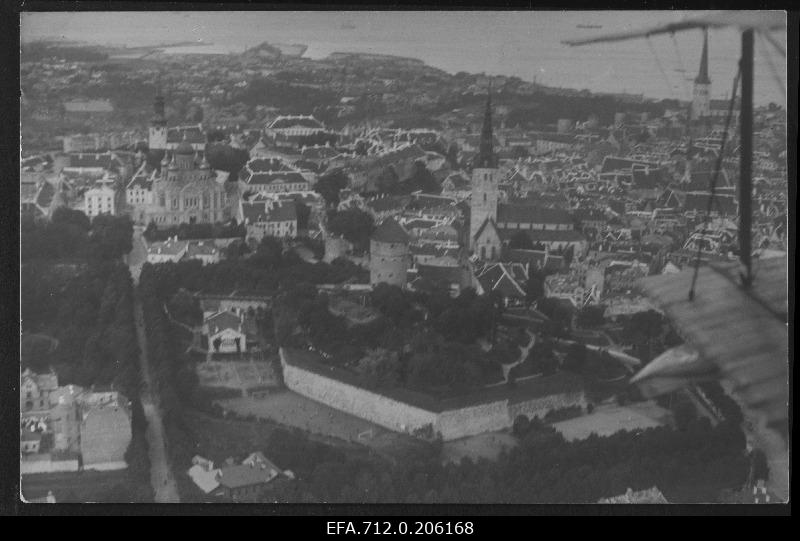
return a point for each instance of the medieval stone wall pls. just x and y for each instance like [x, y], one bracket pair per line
[402, 417]
[538, 407]
[362, 403]
[472, 420]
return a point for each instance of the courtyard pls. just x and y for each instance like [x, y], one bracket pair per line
[243, 375]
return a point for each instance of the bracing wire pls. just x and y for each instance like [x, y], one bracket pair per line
[778, 47]
[773, 70]
[713, 186]
[680, 66]
[660, 67]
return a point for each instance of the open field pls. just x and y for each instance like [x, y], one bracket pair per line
[608, 419]
[291, 409]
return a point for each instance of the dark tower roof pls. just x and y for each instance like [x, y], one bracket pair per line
[702, 75]
[390, 232]
[486, 157]
[160, 118]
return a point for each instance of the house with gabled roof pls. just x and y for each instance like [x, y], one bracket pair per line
[507, 279]
[487, 240]
[244, 482]
[170, 250]
[266, 217]
[225, 331]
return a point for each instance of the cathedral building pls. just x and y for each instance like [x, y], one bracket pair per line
[184, 188]
[187, 191]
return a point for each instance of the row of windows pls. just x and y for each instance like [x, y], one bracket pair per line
[270, 226]
[548, 227]
[173, 178]
[175, 219]
[193, 202]
[298, 187]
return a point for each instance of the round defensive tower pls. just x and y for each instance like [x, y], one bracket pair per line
[388, 254]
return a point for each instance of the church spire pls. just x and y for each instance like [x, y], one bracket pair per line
[485, 157]
[702, 75]
[160, 118]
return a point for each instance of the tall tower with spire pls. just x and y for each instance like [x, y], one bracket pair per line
[485, 178]
[158, 125]
[701, 98]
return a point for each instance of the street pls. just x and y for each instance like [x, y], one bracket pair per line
[161, 478]
[138, 254]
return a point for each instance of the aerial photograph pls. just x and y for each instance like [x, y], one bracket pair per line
[404, 257]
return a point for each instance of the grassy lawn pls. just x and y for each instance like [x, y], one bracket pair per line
[80, 487]
[218, 439]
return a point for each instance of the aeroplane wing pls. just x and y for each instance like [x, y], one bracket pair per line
[760, 20]
[733, 334]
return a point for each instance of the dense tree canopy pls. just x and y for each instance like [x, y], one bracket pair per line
[353, 224]
[111, 237]
[224, 157]
[89, 313]
[421, 179]
[379, 368]
[393, 303]
[330, 184]
[69, 235]
[544, 468]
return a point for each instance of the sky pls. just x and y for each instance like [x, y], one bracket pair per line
[523, 44]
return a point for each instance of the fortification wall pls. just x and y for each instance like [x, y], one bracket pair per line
[401, 417]
[538, 407]
[362, 403]
[469, 421]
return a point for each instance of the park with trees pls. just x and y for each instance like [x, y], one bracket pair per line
[71, 236]
[76, 291]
